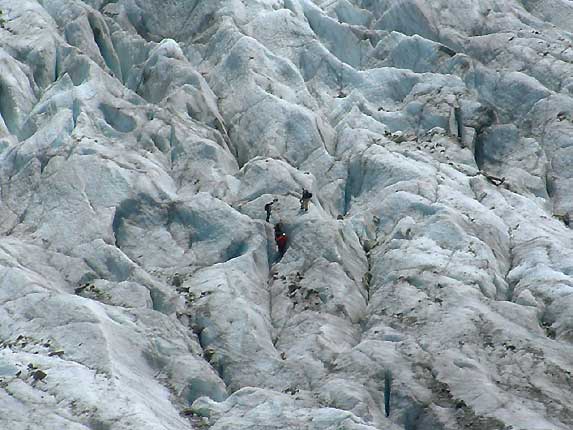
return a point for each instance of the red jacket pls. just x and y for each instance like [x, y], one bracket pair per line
[281, 242]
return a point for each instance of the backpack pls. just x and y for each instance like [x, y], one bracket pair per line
[306, 194]
[268, 207]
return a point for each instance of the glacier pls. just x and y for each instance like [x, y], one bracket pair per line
[428, 287]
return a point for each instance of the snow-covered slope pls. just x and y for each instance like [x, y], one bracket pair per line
[140, 286]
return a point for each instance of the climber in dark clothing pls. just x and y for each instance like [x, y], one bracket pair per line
[269, 208]
[305, 199]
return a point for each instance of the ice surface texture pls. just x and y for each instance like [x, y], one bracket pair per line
[428, 287]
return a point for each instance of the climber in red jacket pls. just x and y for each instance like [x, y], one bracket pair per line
[281, 239]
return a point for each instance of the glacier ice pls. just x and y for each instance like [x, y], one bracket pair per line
[140, 141]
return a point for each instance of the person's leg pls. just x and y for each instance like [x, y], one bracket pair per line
[305, 205]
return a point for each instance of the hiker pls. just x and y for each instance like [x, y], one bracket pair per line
[281, 240]
[306, 196]
[269, 208]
